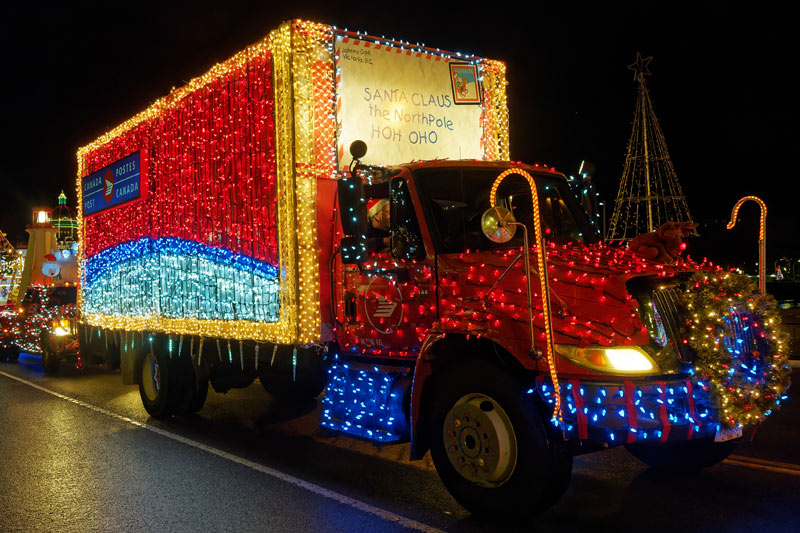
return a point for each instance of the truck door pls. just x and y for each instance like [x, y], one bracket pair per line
[389, 302]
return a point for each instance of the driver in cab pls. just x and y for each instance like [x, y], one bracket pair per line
[379, 217]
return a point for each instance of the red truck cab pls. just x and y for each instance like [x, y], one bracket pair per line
[438, 324]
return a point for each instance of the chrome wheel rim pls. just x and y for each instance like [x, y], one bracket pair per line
[479, 440]
[151, 377]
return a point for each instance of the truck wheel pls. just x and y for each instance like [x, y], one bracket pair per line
[166, 384]
[284, 389]
[191, 395]
[9, 353]
[686, 456]
[492, 446]
[112, 357]
[294, 375]
[155, 386]
[50, 359]
[199, 396]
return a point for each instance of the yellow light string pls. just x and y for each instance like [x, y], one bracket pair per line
[762, 237]
[290, 46]
[541, 261]
[495, 112]
[303, 37]
[303, 153]
[280, 42]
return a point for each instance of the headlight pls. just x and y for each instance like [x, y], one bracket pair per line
[619, 359]
[61, 328]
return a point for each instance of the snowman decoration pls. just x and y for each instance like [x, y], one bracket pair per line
[61, 265]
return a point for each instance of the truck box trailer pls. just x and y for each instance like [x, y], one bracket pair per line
[226, 235]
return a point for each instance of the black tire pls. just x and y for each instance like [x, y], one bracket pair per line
[193, 392]
[284, 389]
[294, 375]
[476, 406]
[50, 359]
[112, 357]
[184, 385]
[199, 396]
[689, 456]
[167, 384]
[9, 353]
[154, 384]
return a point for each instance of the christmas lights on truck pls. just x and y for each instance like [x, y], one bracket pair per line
[461, 302]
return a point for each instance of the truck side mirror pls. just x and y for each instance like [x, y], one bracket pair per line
[353, 215]
[497, 224]
[358, 149]
[352, 207]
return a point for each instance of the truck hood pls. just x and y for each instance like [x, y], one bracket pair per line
[590, 303]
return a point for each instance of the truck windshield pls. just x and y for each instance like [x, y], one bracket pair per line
[62, 296]
[456, 198]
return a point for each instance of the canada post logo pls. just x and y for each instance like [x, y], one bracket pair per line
[383, 305]
[108, 189]
[119, 183]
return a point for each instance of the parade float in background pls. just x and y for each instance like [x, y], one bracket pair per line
[40, 314]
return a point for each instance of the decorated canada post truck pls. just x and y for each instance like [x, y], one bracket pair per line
[431, 290]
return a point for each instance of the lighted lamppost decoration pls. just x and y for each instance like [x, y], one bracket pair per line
[762, 238]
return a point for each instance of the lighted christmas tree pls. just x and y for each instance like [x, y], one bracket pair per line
[66, 222]
[10, 267]
[649, 192]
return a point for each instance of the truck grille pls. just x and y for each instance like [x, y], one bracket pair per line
[741, 337]
[667, 308]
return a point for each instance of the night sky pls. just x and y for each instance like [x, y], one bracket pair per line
[720, 86]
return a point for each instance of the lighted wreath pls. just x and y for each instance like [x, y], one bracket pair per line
[741, 350]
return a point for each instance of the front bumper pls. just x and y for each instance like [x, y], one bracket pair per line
[63, 345]
[612, 413]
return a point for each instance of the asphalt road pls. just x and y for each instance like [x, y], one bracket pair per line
[79, 453]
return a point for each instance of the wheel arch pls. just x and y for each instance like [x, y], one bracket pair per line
[437, 355]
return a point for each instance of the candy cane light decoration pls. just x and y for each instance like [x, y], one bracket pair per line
[762, 238]
[541, 261]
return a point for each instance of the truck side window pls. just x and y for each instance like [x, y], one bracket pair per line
[406, 237]
[457, 199]
[31, 297]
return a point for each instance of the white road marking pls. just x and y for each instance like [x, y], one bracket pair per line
[764, 464]
[316, 489]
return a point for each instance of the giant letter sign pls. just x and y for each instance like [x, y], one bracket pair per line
[119, 183]
[406, 104]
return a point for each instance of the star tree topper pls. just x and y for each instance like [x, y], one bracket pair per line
[639, 67]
